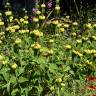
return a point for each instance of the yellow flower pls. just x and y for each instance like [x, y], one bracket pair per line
[4, 62]
[0, 14]
[7, 3]
[11, 17]
[73, 34]
[38, 12]
[75, 23]
[79, 41]
[42, 17]
[21, 20]
[77, 53]
[35, 19]
[66, 25]
[23, 31]
[27, 30]
[89, 26]
[25, 17]
[62, 29]
[50, 51]
[0, 41]
[37, 33]
[57, 8]
[14, 66]
[12, 30]
[68, 47]
[16, 26]
[88, 51]
[18, 41]
[59, 25]
[55, 22]
[67, 17]
[10, 20]
[95, 55]
[59, 80]
[94, 37]
[74, 51]
[36, 45]
[10, 27]
[51, 40]
[7, 29]
[85, 38]
[43, 5]
[8, 13]
[2, 33]
[52, 88]
[25, 21]
[80, 65]
[62, 84]
[1, 23]
[93, 51]
[88, 62]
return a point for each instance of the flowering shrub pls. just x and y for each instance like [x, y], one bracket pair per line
[46, 56]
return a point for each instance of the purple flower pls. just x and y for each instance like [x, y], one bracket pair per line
[34, 10]
[49, 4]
[31, 18]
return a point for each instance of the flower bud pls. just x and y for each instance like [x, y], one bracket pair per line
[43, 5]
[57, 8]
[14, 66]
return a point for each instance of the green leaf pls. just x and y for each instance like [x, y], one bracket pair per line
[52, 68]
[13, 79]
[4, 86]
[40, 89]
[22, 79]
[42, 63]
[6, 76]
[14, 91]
[8, 87]
[67, 68]
[95, 73]
[5, 72]
[22, 95]
[41, 60]
[21, 70]
[26, 91]
[43, 49]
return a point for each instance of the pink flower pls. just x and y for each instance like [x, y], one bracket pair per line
[49, 4]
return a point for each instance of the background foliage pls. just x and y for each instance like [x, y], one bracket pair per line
[49, 56]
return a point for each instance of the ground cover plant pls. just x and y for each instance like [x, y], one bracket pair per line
[47, 56]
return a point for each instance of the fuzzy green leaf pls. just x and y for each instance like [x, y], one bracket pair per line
[22, 79]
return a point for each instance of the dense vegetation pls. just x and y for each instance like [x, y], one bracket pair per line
[49, 56]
